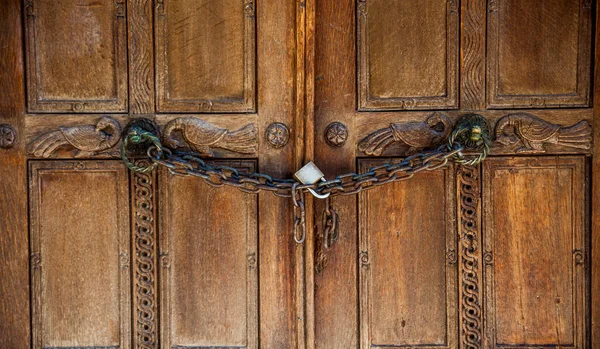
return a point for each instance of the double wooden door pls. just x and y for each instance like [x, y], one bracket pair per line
[499, 255]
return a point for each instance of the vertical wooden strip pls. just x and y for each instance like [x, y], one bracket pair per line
[143, 208]
[595, 204]
[14, 269]
[309, 136]
[469, 256]
[335, 280]
[472, 43]
[276, 74]
[299, 160]
[141, 57]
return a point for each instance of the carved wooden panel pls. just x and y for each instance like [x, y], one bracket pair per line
[407, 262]
[76, 56]
[535, 252]
[539, 53]
[80, 256]
[470, 256]
[209, 264]
[396, 74]
[206, 56]
[143, 209]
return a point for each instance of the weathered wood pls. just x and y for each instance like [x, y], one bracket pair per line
[206, 56]
[76, 56]
[80, 254]
[535, 252]
[14, 251]
[144, 247]
[595, 198]
[335, 291]
[394, 73]
[209, 264]
[407, 279]
[141, 56]
[472, 47]
[539, 54]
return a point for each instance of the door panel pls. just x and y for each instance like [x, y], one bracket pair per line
[407, 281]
[209, 274]
[205, 56]
[535, 56]
[80, 254]
[535, 252]
[539, 53]
[76, 56]
[394, 73]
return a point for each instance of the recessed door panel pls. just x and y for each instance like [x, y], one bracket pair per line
[80, 260]
[407, 263]
[535, 252]
[76, 55]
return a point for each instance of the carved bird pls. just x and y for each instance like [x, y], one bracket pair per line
[416, 135]
[203, 136]
[532, 133]
[88, 140]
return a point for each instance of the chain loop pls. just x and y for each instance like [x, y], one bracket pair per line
[470, 133]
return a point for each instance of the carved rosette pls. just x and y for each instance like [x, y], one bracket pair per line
[145, 264]
[469, 279]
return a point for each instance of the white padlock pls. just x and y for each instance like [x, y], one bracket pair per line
[310, 174]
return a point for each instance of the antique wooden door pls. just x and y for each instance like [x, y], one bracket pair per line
[504, 254]
[492, 256]
[95, 256]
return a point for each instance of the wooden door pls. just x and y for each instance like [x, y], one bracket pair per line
[494, 256]
[499, 255]
[95, 256]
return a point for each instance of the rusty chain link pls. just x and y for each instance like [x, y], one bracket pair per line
[191, 164]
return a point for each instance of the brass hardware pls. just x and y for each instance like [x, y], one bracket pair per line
[471, 133]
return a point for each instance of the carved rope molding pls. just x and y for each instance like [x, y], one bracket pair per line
[145, 255]
[185, 132]
[469, 279]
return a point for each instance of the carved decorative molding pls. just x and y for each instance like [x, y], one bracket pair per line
[529, 134]
[469, 266]
[145, 253]
[203, 137]
[416, 135]
[86, 140]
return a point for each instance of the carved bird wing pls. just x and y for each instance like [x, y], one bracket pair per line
[536, 131]
[84, 137]
[414, 134]
[201, 133]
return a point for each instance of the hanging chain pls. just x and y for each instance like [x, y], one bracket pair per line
[471, 133]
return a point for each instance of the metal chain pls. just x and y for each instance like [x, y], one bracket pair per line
[191, 164]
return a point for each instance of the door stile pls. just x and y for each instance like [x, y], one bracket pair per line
[306, 76]
[14, 253]
[141, 56]
[595, 196]
[472, 61]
